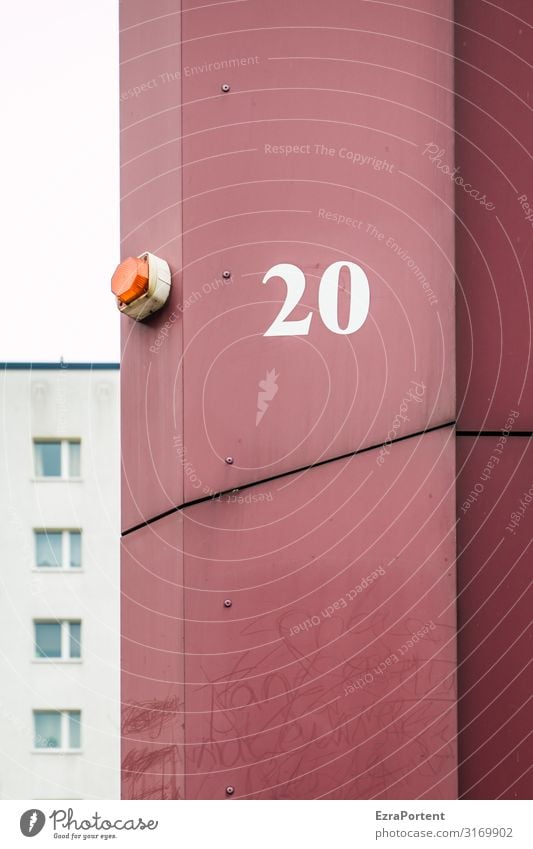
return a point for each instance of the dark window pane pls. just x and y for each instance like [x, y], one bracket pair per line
[74, 459]
[75, 639]
[47, 729]
[74, 729]
[48, 548]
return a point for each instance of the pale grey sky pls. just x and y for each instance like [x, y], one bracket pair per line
[60, 189]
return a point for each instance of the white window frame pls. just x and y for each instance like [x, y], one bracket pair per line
[65, 641]
[65, 458]
[65, 550]
[65, 721]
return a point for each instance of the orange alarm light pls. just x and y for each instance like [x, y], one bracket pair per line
[130, 279]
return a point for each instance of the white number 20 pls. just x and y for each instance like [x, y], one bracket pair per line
[328, 299]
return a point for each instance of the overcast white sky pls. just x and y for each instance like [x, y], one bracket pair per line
[60, 172]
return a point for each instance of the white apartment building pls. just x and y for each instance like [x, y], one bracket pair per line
[59, 581]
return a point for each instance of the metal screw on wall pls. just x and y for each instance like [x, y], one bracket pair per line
[230, 790]
[226, 275]
[229, 461]
[227, 602]
[225, 88]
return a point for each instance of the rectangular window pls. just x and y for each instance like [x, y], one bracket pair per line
[74, 730]
[47, 729]
[60, 458]
[74, 639]
[57, 639]
[57, 549]
[74, 459]
[57, 729]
